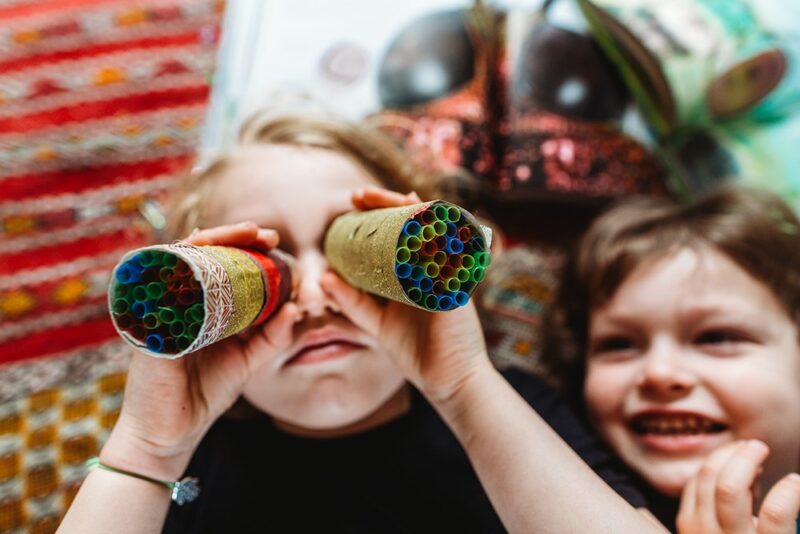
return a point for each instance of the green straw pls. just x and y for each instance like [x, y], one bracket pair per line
[155, 290]
[431, 269]
[151, 320]
[146, 258]
[415, 294]
[453, 214]
[197, 313]
[120, 306]
[177, 328]
[478, 274]
[167, 315]
[165, 273]
[430, 301]
[403, 255]
[139, 293]
[122, 290]
[183, 342]
[193, 330]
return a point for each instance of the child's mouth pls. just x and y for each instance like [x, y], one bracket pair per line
[323, 351]
[675, 424]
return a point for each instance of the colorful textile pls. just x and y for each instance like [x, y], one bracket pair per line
[100, 107]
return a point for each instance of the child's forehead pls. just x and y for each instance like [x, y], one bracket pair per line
[695, 278]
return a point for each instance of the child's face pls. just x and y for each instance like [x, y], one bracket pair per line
[333, 374]
[692, 353]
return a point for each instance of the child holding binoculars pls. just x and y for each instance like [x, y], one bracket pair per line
[343, 412]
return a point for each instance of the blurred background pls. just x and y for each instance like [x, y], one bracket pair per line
[535, 114]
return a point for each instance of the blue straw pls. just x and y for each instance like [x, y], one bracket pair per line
[411, 228]
[426, 284]
[154, 343]
[402, 270]
[454, 246]
[461, 298]
[445, 302]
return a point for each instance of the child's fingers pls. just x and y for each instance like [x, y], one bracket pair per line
[733, 495]
[242, 234]
[781, 507]
[688, 505]
[374, 197]
[707, 478]
[356, 305]
[275, 335]
[267, 238]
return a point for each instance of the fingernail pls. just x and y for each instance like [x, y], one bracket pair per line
[757, 446]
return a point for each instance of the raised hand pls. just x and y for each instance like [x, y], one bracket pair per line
[719, 498]
[436, 351]
[169, 404]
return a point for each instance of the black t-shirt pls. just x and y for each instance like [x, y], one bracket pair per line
[408, 475]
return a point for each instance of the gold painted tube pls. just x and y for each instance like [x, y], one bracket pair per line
[362, 247]
[229, 289]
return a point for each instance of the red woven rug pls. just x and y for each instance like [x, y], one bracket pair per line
[100, 107]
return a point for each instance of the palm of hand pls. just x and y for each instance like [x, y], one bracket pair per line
[436, 351]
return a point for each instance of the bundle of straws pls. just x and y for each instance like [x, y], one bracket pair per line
[170, 300]
[158, 301]
[440, 258]
[430, 255]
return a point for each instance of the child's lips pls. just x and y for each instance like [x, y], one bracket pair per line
[323, 351]
[683, 443]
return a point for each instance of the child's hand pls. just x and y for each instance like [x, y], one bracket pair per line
[169, 404]
[436, 351]
[719, 498]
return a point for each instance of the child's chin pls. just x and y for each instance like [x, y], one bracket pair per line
[670, 480]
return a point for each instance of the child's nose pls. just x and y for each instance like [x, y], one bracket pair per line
[311, 299]
[665, 373]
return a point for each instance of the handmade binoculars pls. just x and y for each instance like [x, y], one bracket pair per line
[171, 300]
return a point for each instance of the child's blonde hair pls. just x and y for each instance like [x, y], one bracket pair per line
[364, 145]
[753, 228]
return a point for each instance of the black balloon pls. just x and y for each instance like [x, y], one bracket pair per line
[566, 73]
[432, 57]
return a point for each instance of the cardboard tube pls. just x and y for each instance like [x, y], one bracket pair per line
[362, 246]
[224, 290]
